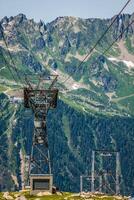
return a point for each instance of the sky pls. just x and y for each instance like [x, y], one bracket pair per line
[48, 10]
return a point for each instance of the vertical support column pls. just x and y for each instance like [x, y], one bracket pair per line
[117, 173]
[101, 174]
[100, 183]
[81, 184]
[40, 157]
[105, 182]
[92, 171]
[49, 162]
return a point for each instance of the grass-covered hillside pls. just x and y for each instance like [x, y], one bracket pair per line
[63, 196]
[96, 99]
[102, 84]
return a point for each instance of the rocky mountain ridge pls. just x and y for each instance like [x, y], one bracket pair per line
[61, 45]
[96, 104]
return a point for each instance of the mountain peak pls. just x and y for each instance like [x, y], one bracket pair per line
[18, 19]
[21, 16]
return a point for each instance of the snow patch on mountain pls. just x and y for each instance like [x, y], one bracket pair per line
[129, 64]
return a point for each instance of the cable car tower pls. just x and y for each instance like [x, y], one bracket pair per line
[40, 97]
[103, 174]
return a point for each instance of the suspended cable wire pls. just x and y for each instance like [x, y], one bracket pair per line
[110, 46]
[99, 40]
[10, 56]
[13, 63]
[104, 53]
[8, 66]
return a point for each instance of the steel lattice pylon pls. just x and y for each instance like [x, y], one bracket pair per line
[40, 100]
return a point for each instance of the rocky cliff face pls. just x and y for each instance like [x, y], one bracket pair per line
[62, 44]
[96, 106]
